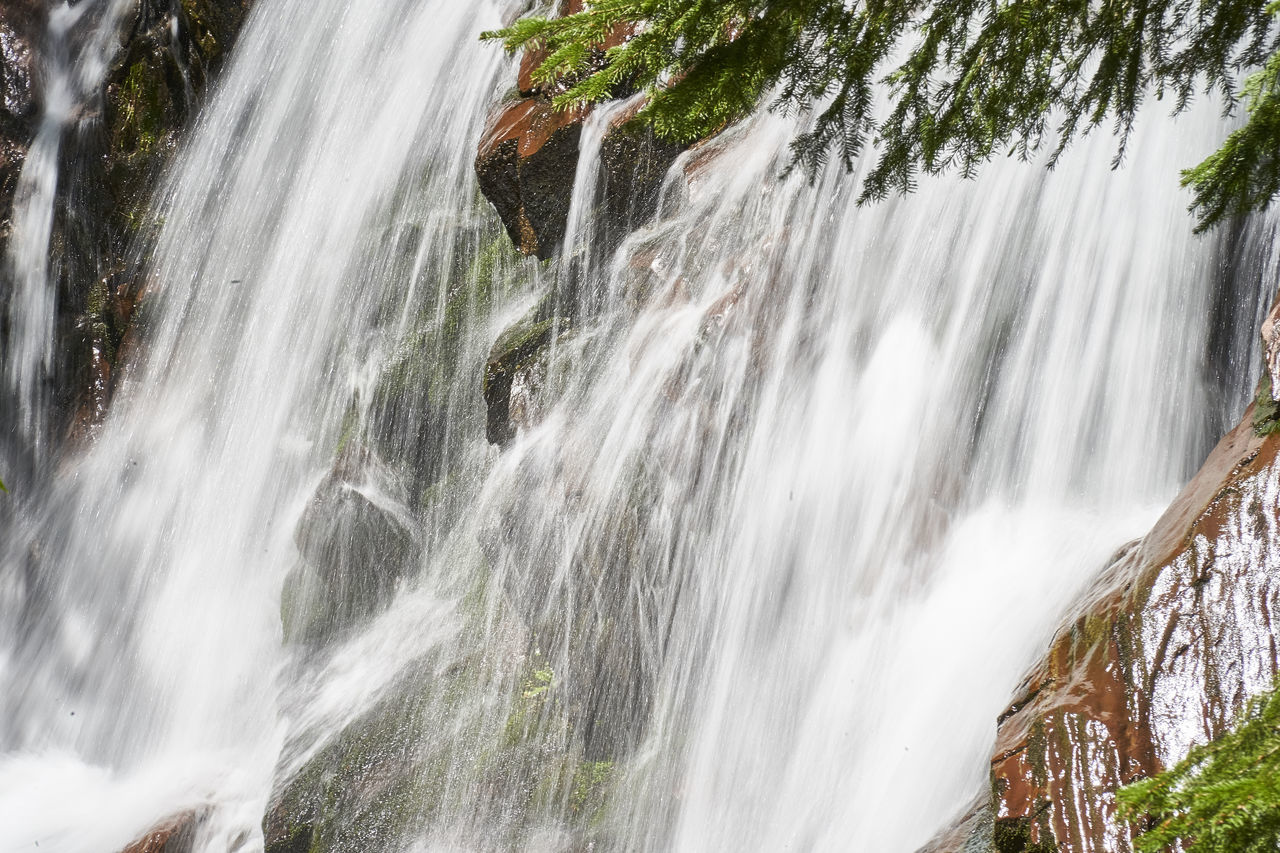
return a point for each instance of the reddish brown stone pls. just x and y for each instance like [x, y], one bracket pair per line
[1171, 643]
[526, 164]
[527, 159]
[172, 835]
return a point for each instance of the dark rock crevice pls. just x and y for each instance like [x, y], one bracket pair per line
[110, 162]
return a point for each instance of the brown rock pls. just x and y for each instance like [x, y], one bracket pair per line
[1178, 635]
[157, 80]
[528, 159]
[526, 165]
[176, 834]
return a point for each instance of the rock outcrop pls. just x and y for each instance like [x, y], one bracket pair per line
[355, 541]
[170, 53]
[1181, 630]
[528, 158]
[176, 834]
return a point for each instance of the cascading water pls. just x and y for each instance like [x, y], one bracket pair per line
[800, 488]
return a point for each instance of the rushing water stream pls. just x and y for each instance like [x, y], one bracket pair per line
[803, 490]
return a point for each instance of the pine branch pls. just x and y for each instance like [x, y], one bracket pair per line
[973, 78]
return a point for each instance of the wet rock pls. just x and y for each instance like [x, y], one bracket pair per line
[1271, 349]
[213, 26]
[290, 823]
[389, 773]
[526, 165]
[168, 56]
[20, 23]
[356, 542]
[1266, 413]
[528, 159]
[1178, 634]
[110, 161]
[604, 663]
[176, 834]
[973, 832]
[516, 371]
[634, 162]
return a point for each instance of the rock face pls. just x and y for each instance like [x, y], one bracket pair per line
[355, 544]
[528, 158]
[109, 163]
[170, 54]
[20, 23]
[526, 166]
[1182, 631]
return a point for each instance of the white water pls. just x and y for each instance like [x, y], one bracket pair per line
[819, 483]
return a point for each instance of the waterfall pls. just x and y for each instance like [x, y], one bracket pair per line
[799, 491]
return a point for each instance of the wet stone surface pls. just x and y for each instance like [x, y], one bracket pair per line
[1180, 636]
[527, 161]
[176, 834]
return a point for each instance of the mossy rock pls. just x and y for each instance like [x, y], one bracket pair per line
[518, 348]
[436, 744]
[1266, 410]
[354, 552]
[424, 398]
[1013, 835]
[213, 27]
[520, 360]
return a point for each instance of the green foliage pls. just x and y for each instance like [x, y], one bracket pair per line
[2, 488]
[1222, 798]
[1244, 174]
[965, 80]
[1266, 411]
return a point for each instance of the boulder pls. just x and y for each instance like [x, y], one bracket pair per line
[355, 543]
[633, 162]
[1177, 635]
[528, 159]
[526, 164]
[515, 372]
[176, 834]
[20, 23]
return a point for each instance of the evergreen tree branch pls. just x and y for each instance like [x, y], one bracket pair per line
[961, 82]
